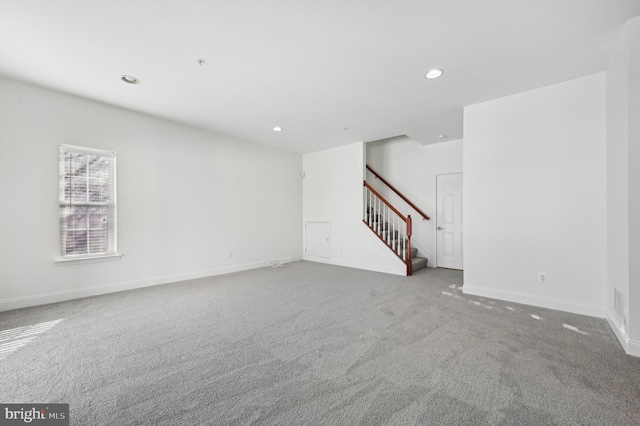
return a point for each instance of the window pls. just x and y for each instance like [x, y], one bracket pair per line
[87, 202]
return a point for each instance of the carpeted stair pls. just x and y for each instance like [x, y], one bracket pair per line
[417, 263]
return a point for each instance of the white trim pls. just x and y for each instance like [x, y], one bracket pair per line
[78, 293]
[630, 346]
[618, 330]
[82, 259]
[574, 307]
[357, 265]
[451, 171]
[87, 150]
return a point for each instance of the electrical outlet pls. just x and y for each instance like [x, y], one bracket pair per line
[542, 277]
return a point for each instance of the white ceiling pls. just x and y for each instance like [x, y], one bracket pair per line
[330, 72]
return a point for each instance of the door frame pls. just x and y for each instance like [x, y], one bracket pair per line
[435, 223]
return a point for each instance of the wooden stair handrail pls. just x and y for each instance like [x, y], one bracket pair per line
[388, 204]
[423, 214]
[408, 231]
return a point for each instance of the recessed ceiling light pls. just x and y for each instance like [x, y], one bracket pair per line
[277, 129]
[129, 79]
[434, 73]
[442, 136]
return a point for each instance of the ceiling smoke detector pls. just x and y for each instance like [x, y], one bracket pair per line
[128, 79]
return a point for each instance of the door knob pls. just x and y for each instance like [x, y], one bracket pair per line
[440, 228]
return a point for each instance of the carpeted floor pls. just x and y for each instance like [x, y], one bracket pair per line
[313, 344]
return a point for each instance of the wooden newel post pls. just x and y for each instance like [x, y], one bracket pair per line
[409, 271]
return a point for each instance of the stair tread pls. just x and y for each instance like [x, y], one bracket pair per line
[418, 263]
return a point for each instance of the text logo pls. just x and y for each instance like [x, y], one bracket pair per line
[34, 414]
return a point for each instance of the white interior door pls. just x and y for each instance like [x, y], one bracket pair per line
[449, 221]
[318, 239]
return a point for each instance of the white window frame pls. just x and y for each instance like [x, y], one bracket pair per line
[66, 201]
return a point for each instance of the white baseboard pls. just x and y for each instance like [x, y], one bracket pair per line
[618, 330]
[630, 346]
[78, 293]
[633, 348]
[366, 266]
[535, 300]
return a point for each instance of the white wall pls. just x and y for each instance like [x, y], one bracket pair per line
[412, 168]
[534, 199]
[623, 186]
[186, 198]
[618, 180]
[634, 186]
[333, 191]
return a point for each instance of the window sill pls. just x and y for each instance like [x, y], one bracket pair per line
[87, 259]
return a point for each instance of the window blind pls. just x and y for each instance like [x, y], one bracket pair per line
[87, 202]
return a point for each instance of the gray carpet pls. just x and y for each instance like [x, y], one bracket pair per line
[313, 344]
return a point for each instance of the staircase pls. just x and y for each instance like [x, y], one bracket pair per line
[393, 229]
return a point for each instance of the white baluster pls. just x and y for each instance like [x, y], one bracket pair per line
[395, 225]
[368, 207]
[380, 205]
[384, 223]
[390, 227]
[373, 210]
[382, 214]
[397, 232]
[378, 217]
[404, 244]
[396, 235]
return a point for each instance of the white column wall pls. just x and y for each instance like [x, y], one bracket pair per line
[634, 186]
[534, 197]
[618, 186]
[623, 188]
